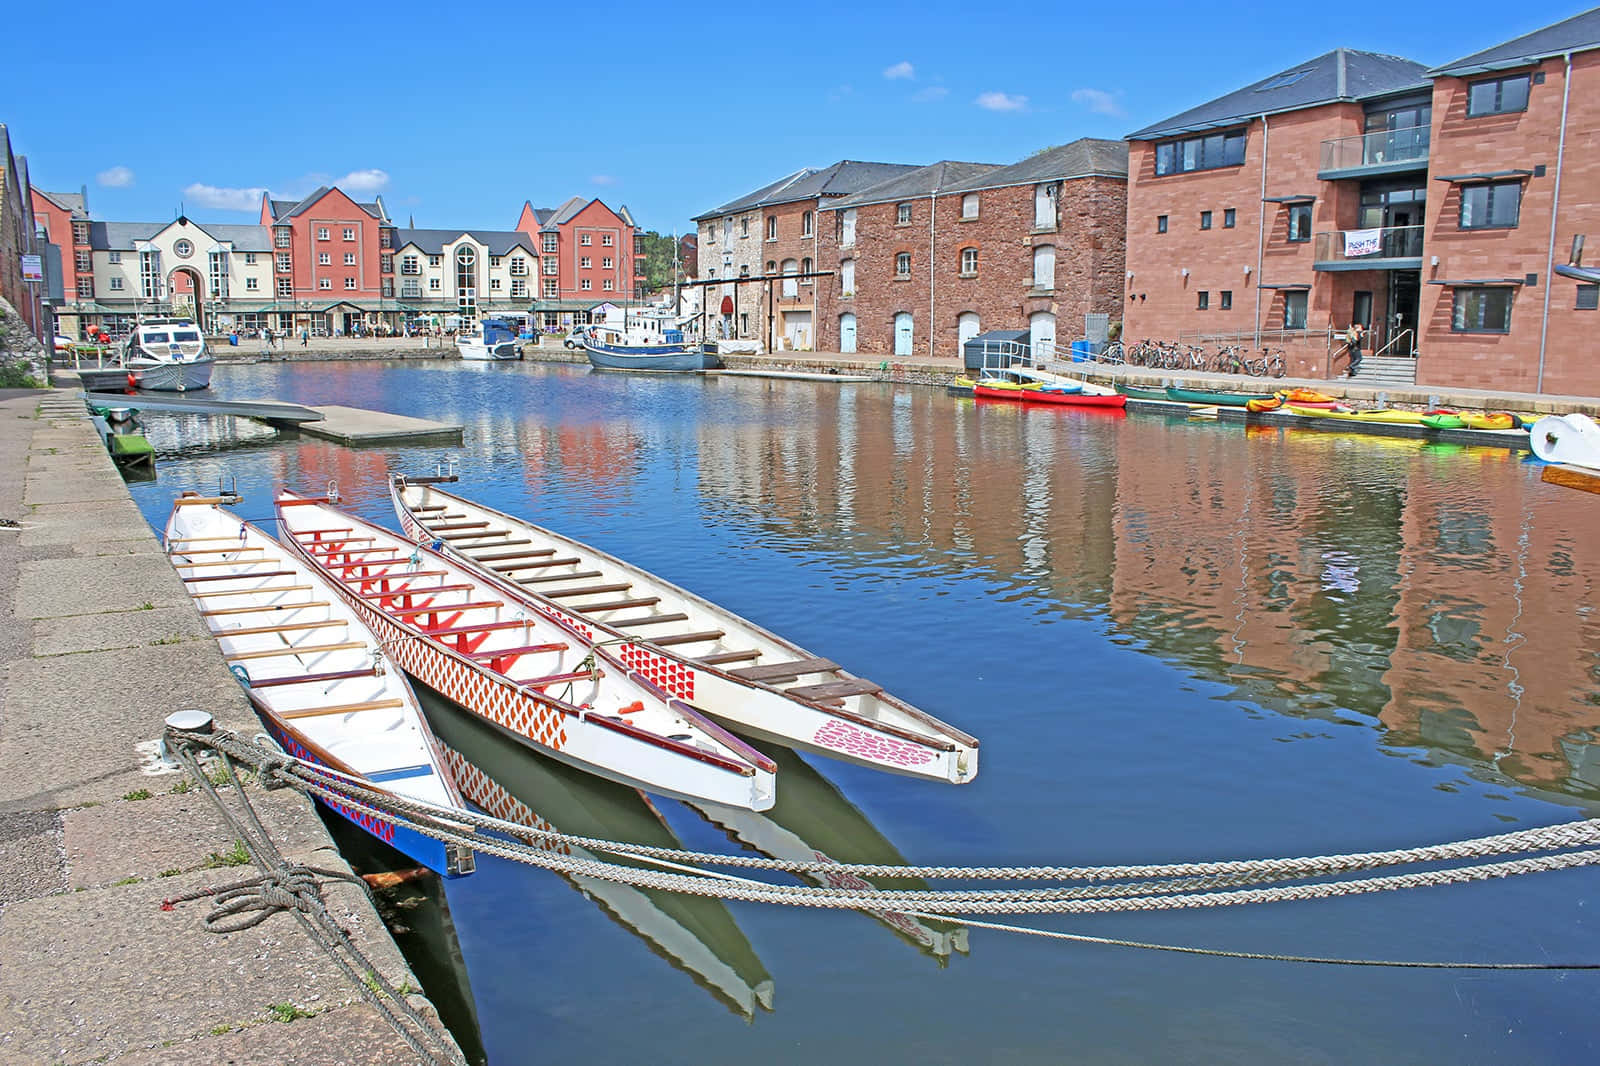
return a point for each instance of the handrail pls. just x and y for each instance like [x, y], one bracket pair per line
[1392, 342]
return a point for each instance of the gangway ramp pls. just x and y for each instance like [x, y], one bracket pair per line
[273, 411]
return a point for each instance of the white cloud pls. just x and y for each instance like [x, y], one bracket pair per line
[370, 180]
[1099, 102]
[1001, 101]
[118, 177]
[902, 69]
[929, 95]
[223, 199]
[604, 179]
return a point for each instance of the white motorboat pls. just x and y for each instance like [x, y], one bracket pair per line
[167, 355]
[491, 341]
[1571, 440]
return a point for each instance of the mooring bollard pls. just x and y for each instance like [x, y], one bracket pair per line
[187, 721]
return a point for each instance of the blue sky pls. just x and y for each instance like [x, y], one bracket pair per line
[456, 120]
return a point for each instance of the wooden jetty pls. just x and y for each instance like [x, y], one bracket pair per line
[1573, 477]
[354, 426]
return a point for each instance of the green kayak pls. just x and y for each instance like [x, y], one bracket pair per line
[1133, 392]
[1219, 399]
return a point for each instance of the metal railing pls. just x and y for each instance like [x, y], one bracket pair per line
[1408, 349]
[1409, 145]
[1249, 337]
[1380, 242]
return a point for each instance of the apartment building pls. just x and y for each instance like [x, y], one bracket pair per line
[17, 239]
[62, 219]
[927, 260]
[588, 254]
[769, 239]
[463, 273]
[333, 261]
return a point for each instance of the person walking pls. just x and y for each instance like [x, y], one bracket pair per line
[1353, 339]
[305, 337]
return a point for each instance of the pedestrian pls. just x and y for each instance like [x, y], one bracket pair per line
[305, 337]
[1353, 338]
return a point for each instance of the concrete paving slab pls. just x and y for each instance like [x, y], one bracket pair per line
[86, 531]
[31, 859]
[47, 489]
[179, 831]
[92, 973]
[122, 629]
[356, 1035]
[74, 586]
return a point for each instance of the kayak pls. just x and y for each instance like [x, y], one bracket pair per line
[1306, 397]
[1388, 416]
[1272, 403]
[1215, 399]
[1077, 399]
[1133, 392]
[1444, 420]
[1496, 420]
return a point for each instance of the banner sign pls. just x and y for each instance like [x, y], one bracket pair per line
[32, 268]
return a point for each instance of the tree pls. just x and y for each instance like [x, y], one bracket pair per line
[659, 252]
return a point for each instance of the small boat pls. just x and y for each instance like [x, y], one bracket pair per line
[166, 355]
[1491, 420]
[1270, 403]
[1040, 395]
[645, 339]
[314, 673]
[1209, 398]
[492, 340]
[749, 680]
[1572, 440]
[1133, 392]
[1007, 385]
[1306, 397]
[1387, 416]
[1444, 420]
[497, 653]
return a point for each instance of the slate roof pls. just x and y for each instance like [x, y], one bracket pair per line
[923, 181]
[432, 241]
[1081, 158]
[1580, 33]
[282, 209]
[124, 236]
[73, 202]
[1342, 74]
[843, 178]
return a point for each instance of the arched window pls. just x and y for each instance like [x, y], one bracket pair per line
[772, 227]
[791, 285]
[467, 280]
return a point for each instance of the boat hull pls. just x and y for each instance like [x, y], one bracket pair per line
[1070, 399]
[504, 352]
[672, 358]
[1216, 399]
[1573, 440]
[158, 376]
[1133, 392]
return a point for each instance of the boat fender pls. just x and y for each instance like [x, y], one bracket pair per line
[240, 674]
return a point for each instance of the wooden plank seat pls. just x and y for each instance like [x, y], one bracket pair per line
[312, 679]
[215, 551]
[450, 527]
[614, 605]
[539, 579]
[319, 532]
[501, 537]
[343, 708]
[590, 590]
[788, 671]
[264, 608]
[268, 591]
[689, 638]
[505, 653]
[557, 679]
[411, 590]
[214, 563]
[729, 656]
[286, 627]
[482, 627]
[441, 608]
[294, 501]
[646, 620]
[199, 540]
[834, 690]
[426, 508]
[491, 557]
[295, 649]
[241, 577]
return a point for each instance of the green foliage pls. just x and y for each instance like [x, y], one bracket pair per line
[237, 855]
[15, 376]
[182, 786]
[287, 1012]
[659, 254]
[138, 794]
[126, 881]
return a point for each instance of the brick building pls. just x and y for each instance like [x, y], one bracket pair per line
[1241, 211]
[18, 238]
[1508, 301]
[333, 261]
[588, 254]
[770, 238]
[927, 260]
[62, 219]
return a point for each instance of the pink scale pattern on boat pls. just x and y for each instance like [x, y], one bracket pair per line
[842, 736]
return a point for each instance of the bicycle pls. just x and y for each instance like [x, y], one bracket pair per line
[1112, 354]
[1275, 364]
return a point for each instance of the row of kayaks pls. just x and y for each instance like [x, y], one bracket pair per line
[1308, 403]
[1027, 385]
[560, 647]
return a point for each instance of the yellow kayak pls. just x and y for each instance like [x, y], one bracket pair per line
[1488, 420]
[1390, 416]
[1011, 386]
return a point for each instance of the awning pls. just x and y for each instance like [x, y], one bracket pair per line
[1456, 179]
[1580, 273]
[727, 305]
[1466, 282]
[1294, 286]
[1299, 198]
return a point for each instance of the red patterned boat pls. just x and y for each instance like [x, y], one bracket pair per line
[505, 660]
[752, 681]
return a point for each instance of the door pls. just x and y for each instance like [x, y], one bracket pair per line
[1044, 267]
[902, 333]
[1042, 335]
[847, 334]
[966, 328]
[1405, 293]
[1361, 311]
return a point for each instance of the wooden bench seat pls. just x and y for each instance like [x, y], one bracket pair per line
[614, 605]
[590, 590]
[646, 620]
[730, 657]
[295, 649]
[241, 577]
[343, 708]
[263, 608]
[312, 679]
[492, 557]
[834, 690]
[268, 591]
[525, 649]
[540, 579]
[412, 590]
[482, 627]
[287, 627]
[689, 638]
[557, 679]
[788, 671]
[569, 561]
[214, 563]
[450, 527]
[442, 608]
[215, 551]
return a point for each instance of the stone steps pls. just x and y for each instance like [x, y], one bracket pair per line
[1387, 370]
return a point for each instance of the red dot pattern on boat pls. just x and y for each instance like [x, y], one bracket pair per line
[842, 736]
[668, 675]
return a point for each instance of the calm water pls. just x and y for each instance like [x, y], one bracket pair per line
[1176, 641]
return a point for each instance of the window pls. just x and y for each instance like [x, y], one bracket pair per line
[282, 238]
[1485, 310]
[1205, 220]
[249, 259]
[1492, 206]
[806, 228]
[324, 283]
[84, 261]
[772, 266]
[1300, 222]
[80, 233]
[902, 214]
[585, 285]
[969, 262]
[605, 262]
[285, 287]
[217, 273]
[1225, 300]
[550, 290]
[386, 238]
[608, 284]
[805, 268]
[519, 288]
[744, 270]
[409, 265]
[322, 233]
[1497, 96]
[847, 228]
[1204, 302]
[250, 284]
[433, 284]
[519, 267]
[772, 227]
[969, 205]
[183, 249]
[114, 257]
[350, 283]
[549, 242]
[116, 285]
[1588, 297]
[494, 284]
[324, 259]
[1161, 223]
[86, 287]
[1229, 217]
[283, 263]
[387, 288]
[847, 277]
[435, 260]
[349, 259]
[1294, 310]
[1200, 153]
[584, 262]
[606, 240]
[494, 261]
[349, 233]
[744, 225]
[902, 265]
[386, 264]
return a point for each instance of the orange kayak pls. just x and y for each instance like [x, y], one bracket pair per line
[1264, 405]
[1306, 396]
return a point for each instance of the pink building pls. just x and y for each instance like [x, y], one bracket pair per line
[333, 262]
[588, 254]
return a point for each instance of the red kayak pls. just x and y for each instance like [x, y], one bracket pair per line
[1075, 399]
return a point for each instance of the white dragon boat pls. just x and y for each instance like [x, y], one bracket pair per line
[312, 670]
[752, 681]
[498, 655]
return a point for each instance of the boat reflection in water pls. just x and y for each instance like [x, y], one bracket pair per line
[695, 934]
[812, 821]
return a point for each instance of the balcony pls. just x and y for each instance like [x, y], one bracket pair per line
[1382, 248]
[1372, 154]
